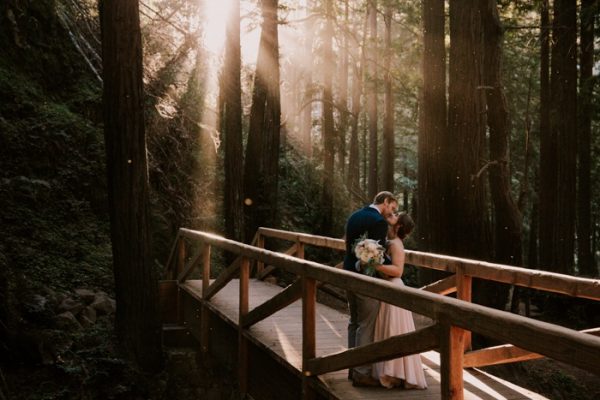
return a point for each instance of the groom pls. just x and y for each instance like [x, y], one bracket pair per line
[363, 309]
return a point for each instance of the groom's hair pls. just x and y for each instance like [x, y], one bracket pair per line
[381, 197]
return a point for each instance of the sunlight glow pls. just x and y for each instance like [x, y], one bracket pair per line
[216, 14]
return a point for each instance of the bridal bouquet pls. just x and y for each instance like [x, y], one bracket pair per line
[369, 253]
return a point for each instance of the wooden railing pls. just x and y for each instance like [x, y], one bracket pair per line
[454, 319]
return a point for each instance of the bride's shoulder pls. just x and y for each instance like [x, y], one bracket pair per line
[394, 242]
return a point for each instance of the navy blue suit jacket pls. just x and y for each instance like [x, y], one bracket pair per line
[366, 220]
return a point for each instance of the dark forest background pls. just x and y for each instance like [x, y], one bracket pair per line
[482, 117]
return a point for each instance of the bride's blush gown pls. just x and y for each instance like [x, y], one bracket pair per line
[392, 321]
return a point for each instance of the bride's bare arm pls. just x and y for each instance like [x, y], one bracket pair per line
[396, 269]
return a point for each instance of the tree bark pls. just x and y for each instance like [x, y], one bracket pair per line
[507, 237]
[137, 320]
[328, 124]
[548, 184]
[388, 121]
[563, 124]
[343, 95]
[585, 259]
[372, 99]
[353, 178]
[469, 221]
[262, 150]
[306, 112]
[232, 129]
[508, 246]
[431, 225]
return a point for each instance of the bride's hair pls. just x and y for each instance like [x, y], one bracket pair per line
[405, 225]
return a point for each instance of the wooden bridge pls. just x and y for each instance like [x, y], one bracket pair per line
[285, 344]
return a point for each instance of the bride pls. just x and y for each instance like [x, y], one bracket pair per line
[406, 371]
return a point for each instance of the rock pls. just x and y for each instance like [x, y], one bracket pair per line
[67, 321]
[87, 316]
[35, 304]
[103, 304]
[37, 308]
[59, 297]
[70, 305]
[88, 296]
[47, 291]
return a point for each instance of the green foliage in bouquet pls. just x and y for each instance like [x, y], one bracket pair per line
[369, 253]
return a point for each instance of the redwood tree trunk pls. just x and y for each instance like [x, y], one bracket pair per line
[232, 128]
[585, 259]
[388, 119]
[508, 246]
[343, 95]
[273, 112]
[353, 178]
[372, 99]
[563, 124]
[328, 125]
[432, 225]
[137, 320]
[469, 223]
[306, 111]
[262, 150]
[547, 186]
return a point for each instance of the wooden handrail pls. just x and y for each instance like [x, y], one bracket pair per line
[460, 282]
[563, 344]
[535, 279]
[455, 319]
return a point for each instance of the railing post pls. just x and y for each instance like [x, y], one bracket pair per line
[309, 300]
[451, 360]
[299, 249]
[464, 290]
[260, 243]
[242, 342]
[205, 268]
[180, 265]
[180, 258]
[204, 317]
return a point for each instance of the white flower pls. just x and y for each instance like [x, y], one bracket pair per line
[370, 254]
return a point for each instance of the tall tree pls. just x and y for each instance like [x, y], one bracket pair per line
[353, 176]
[231, 115]
[137, 321]
[372, 99]
[508, 246]
[328, 124]
[585, 260]
[432, 233]
[469, 223]
[306, 109]
[388, 119]
[547, 185]
[261, 169]
[342, 102]
[507, 220]
[563, 124]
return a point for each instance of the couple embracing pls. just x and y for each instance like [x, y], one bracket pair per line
[371, 320]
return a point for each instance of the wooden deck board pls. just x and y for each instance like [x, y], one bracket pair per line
[281, 333]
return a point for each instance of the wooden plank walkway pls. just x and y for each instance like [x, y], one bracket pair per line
[281, 334]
